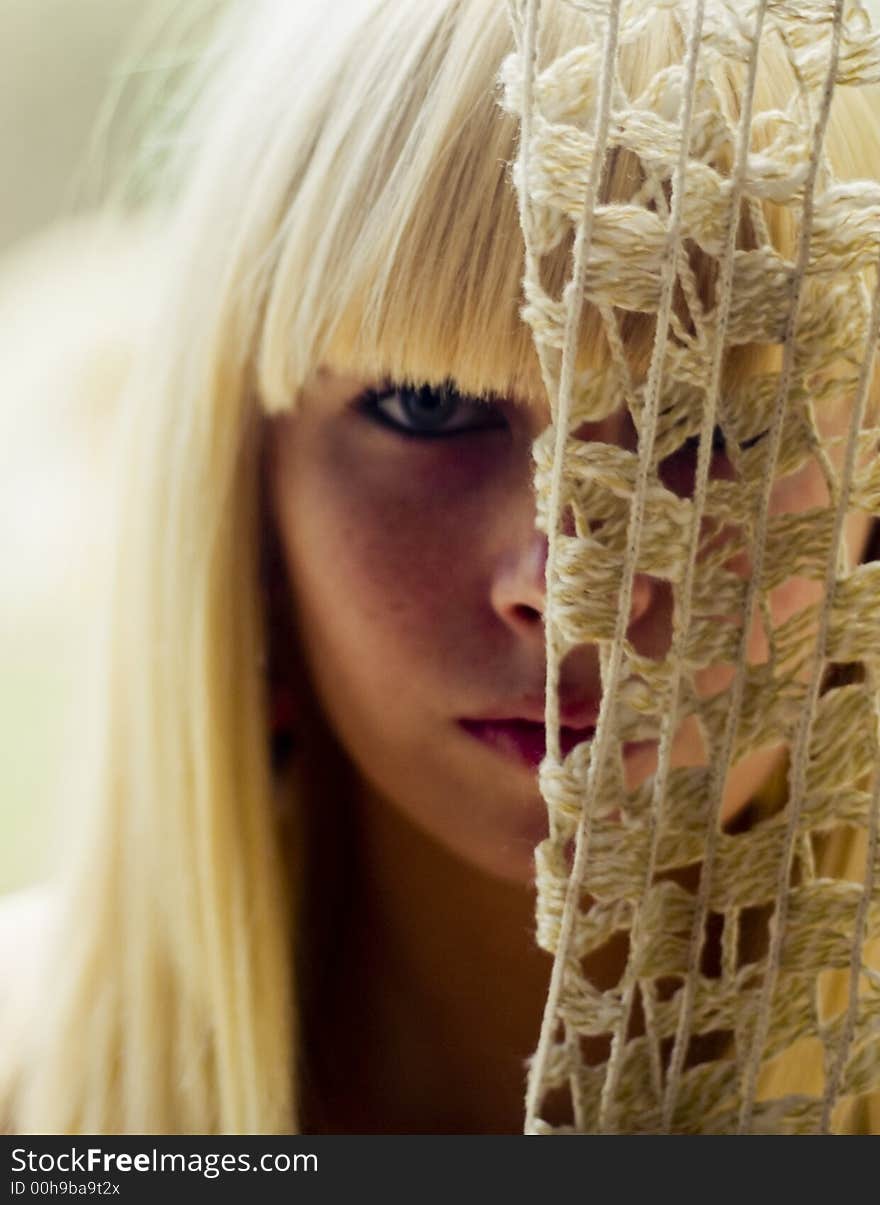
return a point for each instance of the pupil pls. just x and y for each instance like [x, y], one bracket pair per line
[431, 407]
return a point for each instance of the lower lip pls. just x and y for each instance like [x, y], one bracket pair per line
[521, 740]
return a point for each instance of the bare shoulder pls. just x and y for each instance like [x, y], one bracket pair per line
[26, 919]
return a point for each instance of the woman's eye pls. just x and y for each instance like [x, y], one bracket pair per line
[429, 411]
[678, 470]
[719, 444]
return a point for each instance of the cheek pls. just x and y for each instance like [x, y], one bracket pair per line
[384, 560]
[799, 492]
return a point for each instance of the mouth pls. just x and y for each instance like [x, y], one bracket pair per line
[524, 741]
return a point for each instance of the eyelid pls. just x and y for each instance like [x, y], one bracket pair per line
[754, 440]
[720, 443]
[370, 404]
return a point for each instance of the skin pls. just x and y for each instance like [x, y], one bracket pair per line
[432, 545]
[418, 580]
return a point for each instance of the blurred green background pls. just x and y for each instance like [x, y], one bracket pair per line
[61, 59]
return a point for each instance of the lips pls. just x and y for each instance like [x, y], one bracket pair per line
[524, 740]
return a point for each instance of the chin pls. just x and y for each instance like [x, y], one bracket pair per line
[508, 858]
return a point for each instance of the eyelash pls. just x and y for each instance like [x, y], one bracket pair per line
[371, 401]
[370, 404]
[691, 446]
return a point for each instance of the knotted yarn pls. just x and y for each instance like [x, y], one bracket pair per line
[732, 284]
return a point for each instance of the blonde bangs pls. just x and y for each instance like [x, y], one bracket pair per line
[400, 255]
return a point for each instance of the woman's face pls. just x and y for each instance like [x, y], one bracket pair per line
[408, 524]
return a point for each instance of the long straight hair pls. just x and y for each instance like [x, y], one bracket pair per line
[340, 196]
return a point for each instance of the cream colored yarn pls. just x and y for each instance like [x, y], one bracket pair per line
[605, 867]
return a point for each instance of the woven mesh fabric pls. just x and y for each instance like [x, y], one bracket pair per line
[707, 321]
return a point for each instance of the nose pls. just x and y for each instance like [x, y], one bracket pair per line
[518, 593]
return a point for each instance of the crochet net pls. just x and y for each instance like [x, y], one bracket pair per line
[682, 1042]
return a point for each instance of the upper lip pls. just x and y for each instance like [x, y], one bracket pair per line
[573, 713]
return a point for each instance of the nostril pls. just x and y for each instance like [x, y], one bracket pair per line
[527, 614]
[517, 591]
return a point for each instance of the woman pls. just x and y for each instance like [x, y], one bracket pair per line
[326, 551]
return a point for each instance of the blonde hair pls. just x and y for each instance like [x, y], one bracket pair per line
[342, 170]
